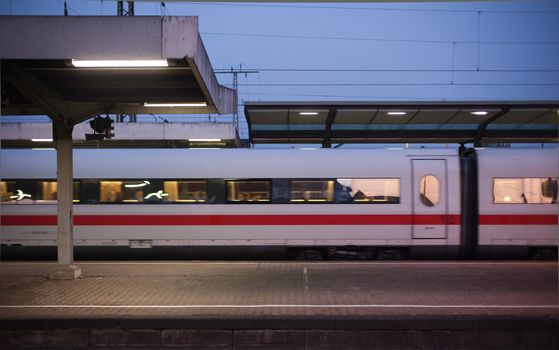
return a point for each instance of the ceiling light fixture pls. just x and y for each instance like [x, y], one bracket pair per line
[204, 140]
[308, 113]
[480, 113]
[396, 113]
[119, 63]
[172, 104]
[41, 140]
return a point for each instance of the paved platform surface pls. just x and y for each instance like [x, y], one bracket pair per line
[410, 295]
[257, 289]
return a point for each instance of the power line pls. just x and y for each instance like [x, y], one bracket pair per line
[221, 71]
[306, 7]
[343, 96]
[282, 36]
[401, 84]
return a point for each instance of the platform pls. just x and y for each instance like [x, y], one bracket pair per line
[282, 305]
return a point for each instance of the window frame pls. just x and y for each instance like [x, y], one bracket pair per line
[76, 195]
[372, 201]
[423, 197]
[290, 186]
[226, 191]
[521, 178]
[186, 202]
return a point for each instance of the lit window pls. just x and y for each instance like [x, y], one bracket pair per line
[524, 190]
[194, 191]
[47, 191]
[429, 190]
[33, 191]
[378, 191]
[248, 191]
[8, 191]
[110, 191]
[311, 191]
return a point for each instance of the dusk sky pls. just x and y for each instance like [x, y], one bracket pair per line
[504, 50]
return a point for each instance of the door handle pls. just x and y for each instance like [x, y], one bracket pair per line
[429, 227]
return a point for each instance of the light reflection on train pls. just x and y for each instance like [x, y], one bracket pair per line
[360, 203]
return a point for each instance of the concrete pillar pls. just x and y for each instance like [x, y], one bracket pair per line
[65, 237]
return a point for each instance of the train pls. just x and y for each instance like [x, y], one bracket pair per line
[424, 203]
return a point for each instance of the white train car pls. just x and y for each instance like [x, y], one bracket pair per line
[383, 203]
[517, 199]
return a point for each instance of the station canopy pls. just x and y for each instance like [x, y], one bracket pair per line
[402, 122]
[72, 68]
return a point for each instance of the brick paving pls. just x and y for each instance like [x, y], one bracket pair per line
[256, 290]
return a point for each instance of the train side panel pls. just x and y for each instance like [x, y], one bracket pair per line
[410, 223]
[514, 210]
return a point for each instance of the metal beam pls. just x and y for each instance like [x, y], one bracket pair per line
[50, 101]
[483, 126]
[467, 135]
[327, 142]
[35, 90]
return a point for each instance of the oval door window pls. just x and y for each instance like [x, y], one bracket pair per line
[429, 190]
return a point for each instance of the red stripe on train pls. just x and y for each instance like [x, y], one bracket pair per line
[233, 220]
[518, 220]
[276, 220]
[249, 220]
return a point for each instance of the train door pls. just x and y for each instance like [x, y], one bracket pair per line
[430, 200]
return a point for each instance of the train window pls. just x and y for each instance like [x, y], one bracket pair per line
[191, 191]
[309, 191]
[377, 191]
[33, 191]
[248, 191]
[9, 192]
[524, 190]
[47, 191]
[131, 191]
[110, 191]
[429, 190]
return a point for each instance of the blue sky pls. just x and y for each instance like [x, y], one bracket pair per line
[505, 50]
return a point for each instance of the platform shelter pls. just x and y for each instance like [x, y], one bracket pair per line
[75, 68]
[460, 122]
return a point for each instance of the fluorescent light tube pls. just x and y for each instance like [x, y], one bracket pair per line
[308, 113]
[171, 104]
[41, 140]
[480, 113]
[204, 140]
[119, 63]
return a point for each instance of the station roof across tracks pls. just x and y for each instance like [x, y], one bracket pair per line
[402, 122]
[40, 74]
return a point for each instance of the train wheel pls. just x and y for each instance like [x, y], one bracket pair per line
[544, 254]
[391, 254]
[365, 254]
[309, 254]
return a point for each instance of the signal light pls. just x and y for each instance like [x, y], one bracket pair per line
[103, 127]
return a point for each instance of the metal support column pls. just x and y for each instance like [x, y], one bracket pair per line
[65, 194]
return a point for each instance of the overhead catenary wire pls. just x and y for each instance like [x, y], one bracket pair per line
[350, 96]
[352, 8]
[388, 70]
[402, 84]
[317, 37]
